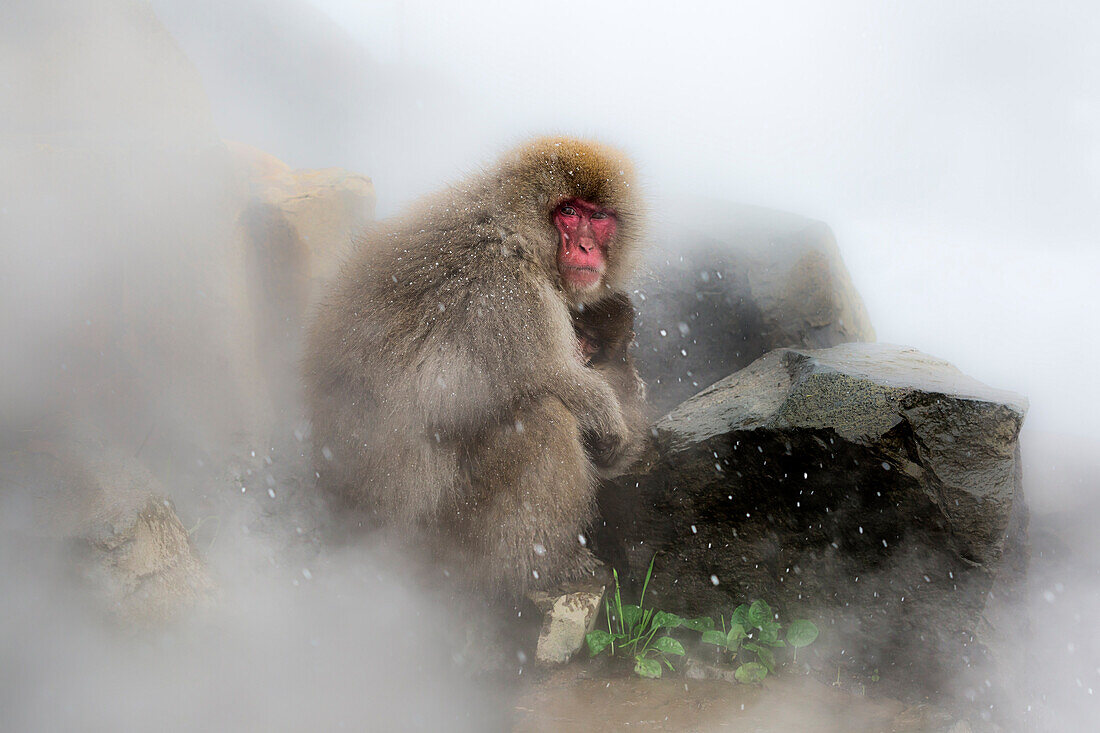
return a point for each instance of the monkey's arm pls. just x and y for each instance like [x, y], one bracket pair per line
[607, 327]
[497, 352]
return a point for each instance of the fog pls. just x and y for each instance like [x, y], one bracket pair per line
[953, 148]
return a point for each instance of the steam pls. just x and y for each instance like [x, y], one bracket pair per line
[954, 149]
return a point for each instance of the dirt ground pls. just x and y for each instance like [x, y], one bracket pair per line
[567, 701]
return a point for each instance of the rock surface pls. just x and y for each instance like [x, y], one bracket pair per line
[566, 619]
[301, 222]
[125, 537]
[293, 230]
[157, 278]
[731, 284]
[870, 487]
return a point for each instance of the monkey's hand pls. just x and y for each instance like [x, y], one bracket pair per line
[587, 346]
[609, 454]
[613, 460]
[607, 437]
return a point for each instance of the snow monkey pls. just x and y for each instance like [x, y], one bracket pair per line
[467, 375]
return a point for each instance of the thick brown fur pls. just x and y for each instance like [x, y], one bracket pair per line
[605, 332]
[446, 388]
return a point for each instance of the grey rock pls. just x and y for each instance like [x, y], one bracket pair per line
[727, 283]
[870, 487]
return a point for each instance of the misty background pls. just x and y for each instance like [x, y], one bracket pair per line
[953, 148]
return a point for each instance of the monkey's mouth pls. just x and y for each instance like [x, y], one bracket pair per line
[582, 277]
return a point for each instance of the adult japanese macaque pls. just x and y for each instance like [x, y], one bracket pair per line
[467, 375]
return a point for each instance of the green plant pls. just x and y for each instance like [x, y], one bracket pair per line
[801, 633]
[632, 631]
[750, 637]
[748, 640]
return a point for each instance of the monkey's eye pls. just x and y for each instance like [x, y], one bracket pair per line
[601, 215]
[568, 210]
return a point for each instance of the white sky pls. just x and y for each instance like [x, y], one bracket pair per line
[954, 147]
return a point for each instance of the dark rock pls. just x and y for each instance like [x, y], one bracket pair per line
[733, 284]
[870, 487]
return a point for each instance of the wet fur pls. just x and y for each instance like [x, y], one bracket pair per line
[446, 390]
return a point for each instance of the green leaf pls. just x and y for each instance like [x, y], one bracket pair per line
[703, 623]
[597, 641]
[714, 637]
[801, 633]
[769, 633]
[618, 605]
[759, 613]
[740, 615]
[736, 634]
[766, 658]
[665, 620]
[751, 673]
[631, 616]
[648, 575]
[668, 645]
[650, 668]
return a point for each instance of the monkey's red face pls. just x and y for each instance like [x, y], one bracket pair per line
[586, 232]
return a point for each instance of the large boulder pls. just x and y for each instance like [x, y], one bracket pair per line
[157, 279]
[154, 270]
[294, 229]
[301, 221]
[727, 283]
[871, 487]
